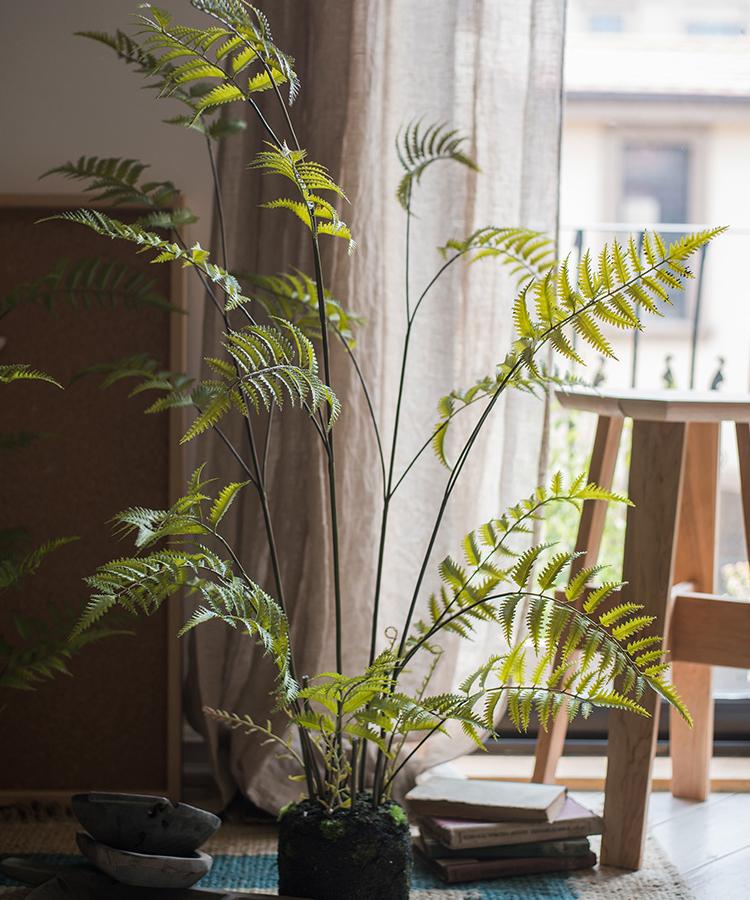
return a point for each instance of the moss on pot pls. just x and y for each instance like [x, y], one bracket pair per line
[358, 854]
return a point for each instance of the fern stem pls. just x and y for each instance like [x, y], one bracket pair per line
[267, 442]
[387, 783]
[219, 202]
[330, 455]
[394, 440]
[259, 481]
[371, 409]
[235, 453]
[461, 461]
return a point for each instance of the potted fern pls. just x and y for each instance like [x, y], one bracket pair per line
[351, 734]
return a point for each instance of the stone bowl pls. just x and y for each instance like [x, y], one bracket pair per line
[145, 870]
[144, 824]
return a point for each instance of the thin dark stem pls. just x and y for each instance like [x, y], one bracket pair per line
[461, 461]
[331, 457]
[219, 203]
[267, 442]
[406, 759]
[394, 444]
[368, 401]
[256, 466]
[233, 450]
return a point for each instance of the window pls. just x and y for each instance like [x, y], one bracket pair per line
[716, 29]
[606, 23]
[655, 181]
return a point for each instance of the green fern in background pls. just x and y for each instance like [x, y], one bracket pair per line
[564, 640]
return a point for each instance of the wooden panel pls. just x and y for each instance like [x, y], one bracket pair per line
[711, 631]
[660, 406]
[588, 542]
[695, 561]
[116, 723]
[654, 487]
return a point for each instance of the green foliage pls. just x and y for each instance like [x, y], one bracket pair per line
[529, 254]
[130, 51]
[570, 642]
[493, 555]
[166, 251]
[39, 648]
[86, 282]
[418, 148]
[24, 372]
[141, 583]
[270, 363]
[310, 179]
[295, 297]
[117, 181]
[238, 58]
[551, 306]
[14, 570]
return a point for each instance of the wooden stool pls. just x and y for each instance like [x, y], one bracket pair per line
[669, 565]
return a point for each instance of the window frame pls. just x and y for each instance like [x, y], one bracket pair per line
[695, 137]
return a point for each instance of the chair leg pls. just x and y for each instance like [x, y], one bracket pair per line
[549, 745]
[695, 562]
[743, 451]
[655, 478]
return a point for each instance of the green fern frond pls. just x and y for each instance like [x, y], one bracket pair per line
[117, 181]
[140, 584]
[224, 500]
[13, 569]
[310, 178]
[129, 50]
[166, 251]
[294, 297]
[419, 147]
[85, 282]
[273, 363]
[529, 254]
[242, 40]
[584, 304]
[23, 372]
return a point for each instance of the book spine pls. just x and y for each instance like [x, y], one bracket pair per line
[483, 870]
[487, 837]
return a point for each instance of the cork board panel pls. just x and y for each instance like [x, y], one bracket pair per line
[108, 727]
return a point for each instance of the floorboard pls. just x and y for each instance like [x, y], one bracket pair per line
[708, 843]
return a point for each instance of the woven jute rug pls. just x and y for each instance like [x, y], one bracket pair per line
[245, 860]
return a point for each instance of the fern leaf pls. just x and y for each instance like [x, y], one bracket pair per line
[23, 372]
[224, 500]
[419, 147]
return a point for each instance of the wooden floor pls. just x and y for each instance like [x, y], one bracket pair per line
[709, 843]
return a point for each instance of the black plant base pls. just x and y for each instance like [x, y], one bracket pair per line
[358, 854]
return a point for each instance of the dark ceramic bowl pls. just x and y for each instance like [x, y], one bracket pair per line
[145, 870]
[144, 824]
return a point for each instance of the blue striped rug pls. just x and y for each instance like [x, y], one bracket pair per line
[245, 860]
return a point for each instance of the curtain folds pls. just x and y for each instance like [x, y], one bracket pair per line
[491, 68]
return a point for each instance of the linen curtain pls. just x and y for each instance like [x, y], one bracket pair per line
[491, 68]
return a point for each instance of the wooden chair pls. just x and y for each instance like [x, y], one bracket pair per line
[669, 565]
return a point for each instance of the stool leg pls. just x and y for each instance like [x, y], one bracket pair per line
[695, 561]
[743, 451]
[549, 744]
[654, 488]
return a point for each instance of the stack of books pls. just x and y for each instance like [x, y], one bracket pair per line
[470, 830]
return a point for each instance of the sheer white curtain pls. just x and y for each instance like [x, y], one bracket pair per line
[491, 68]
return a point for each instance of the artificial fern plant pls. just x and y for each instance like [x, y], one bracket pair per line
[563, 643]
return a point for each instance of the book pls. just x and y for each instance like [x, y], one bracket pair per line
[435, 850]
[454, 871]
[573, 821]
[490, 801]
